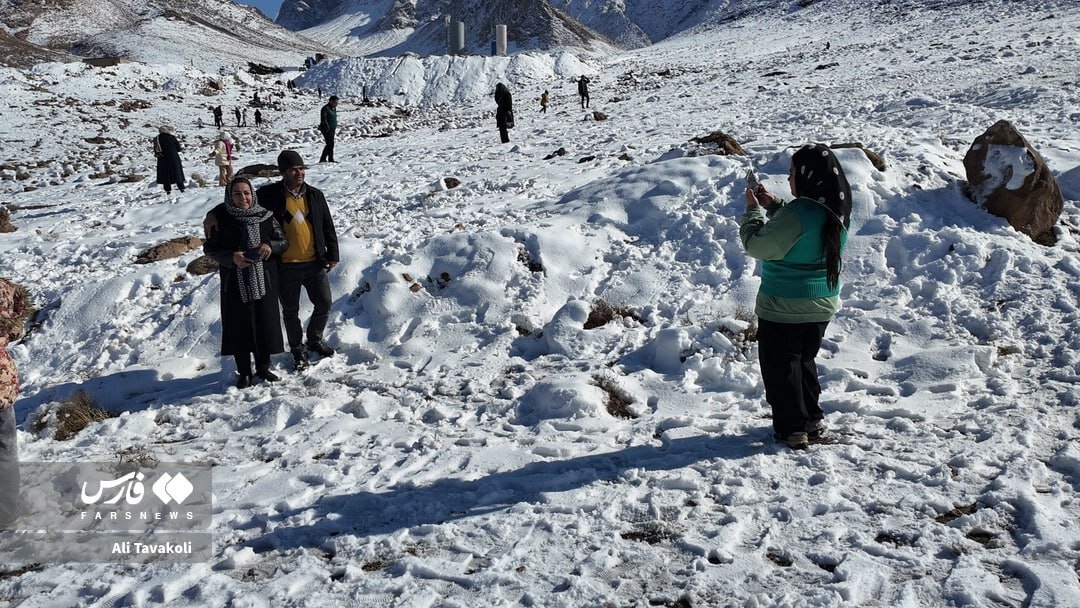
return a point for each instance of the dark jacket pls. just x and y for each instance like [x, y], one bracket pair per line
[255, 326]
[328, 119]
[169, 168]
[505, 106]
[272, 196]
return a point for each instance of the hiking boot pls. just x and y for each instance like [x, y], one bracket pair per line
[320, 348]
[267, 375]
[244, 381]
[815, 430]
[796, 441]
[299, 358]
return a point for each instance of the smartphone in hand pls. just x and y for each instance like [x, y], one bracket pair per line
[252, 255]
[752, 181]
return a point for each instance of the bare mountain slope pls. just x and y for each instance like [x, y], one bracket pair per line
[207, 33]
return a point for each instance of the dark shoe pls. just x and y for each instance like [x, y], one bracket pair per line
[320, 348]
[796, 441]
[299, 358]
[243, 382]
[267, 375]
[815, 429]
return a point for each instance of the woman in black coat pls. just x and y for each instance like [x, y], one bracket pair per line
[245, 243]
[504, 113]
[169, 168]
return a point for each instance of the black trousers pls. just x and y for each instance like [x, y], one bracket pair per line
[786, 352]
[504, 135]
[328, 149]
[243, 363]
[311, 276]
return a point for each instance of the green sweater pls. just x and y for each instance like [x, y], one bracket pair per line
[794, 288]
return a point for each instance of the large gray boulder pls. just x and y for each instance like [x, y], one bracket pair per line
[1007, 176]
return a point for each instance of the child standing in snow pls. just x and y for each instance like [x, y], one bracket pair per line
[800, 243]
[223, 157]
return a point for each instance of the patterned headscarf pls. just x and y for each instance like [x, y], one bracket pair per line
[820, 177]
[252, 279]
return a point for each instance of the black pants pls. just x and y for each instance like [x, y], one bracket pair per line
[328, 149]
[311, 276]
[504, 135]
[786, 352]
[243, 363]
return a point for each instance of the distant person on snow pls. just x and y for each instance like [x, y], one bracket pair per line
[243, 118]
[217, 117]
[170, 170]
[13, 306]
[801, 243]
[504, 112]
[583, 90]
[244, 239]
[258, 118]
[544, 102]
[236, 112]
[223, 157]
[328, 127]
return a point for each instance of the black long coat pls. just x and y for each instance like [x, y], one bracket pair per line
[252, 327]
[170, 170]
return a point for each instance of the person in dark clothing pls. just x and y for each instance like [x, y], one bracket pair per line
[328, 127]
[258, 118]
[170, 169]
[504, 112]
[236, 112]
[312, 253]
[544, 102]
[217, 117]
[243, 239]
[800, 243]
[583, 90]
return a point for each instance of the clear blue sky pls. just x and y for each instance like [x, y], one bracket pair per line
[268, 7]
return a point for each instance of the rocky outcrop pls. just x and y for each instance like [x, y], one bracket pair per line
[1007, 176]
[172, 248]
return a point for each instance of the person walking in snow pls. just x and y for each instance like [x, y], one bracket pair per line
[223, 157]
[544, 102]
[246, 241]
[170, 169]
[236, 112]
[243, 117]
[800, 243]
[258, 118]
[504, 112]
[328, 128]
[13, 305]
[583, 90]
[217, 117]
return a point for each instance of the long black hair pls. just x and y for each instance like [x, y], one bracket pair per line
[820, 177]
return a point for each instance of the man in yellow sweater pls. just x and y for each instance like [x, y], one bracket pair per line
[313, 251]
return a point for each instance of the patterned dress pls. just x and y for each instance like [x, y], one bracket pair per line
[12, 306]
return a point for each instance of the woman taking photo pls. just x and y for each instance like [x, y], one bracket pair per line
[800, 243]
[243, 242]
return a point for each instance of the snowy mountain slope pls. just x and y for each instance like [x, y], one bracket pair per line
[207, 33]
[460, 450]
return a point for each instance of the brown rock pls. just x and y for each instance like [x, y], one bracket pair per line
[875, 158]
[1008, 177]
[260, 170]
[726, 143]
[5, 221]
[201, 265]
[172, 248]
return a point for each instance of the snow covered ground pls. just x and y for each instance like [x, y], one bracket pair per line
[460, 450]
